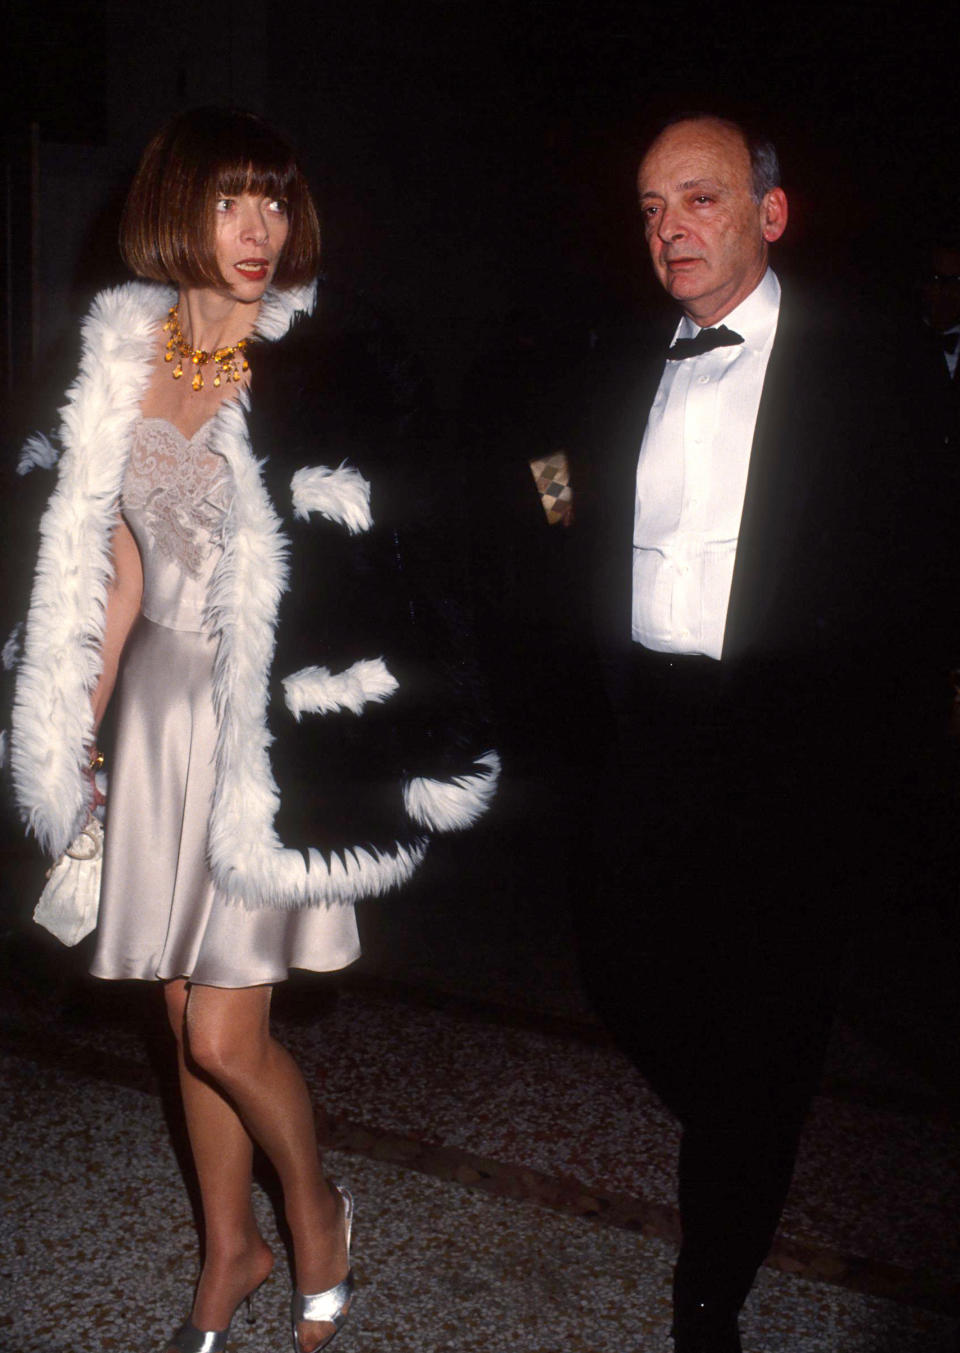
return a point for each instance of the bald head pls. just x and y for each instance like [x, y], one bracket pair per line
[707, 233]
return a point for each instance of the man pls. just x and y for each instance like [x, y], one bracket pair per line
[766, 606]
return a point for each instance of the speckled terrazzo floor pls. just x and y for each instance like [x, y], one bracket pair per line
[99, 1253]
[513, 1176]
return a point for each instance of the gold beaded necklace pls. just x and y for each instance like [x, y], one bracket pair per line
[224, 359]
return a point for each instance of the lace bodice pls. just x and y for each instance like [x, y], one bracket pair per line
[181, 488]
[175, 497]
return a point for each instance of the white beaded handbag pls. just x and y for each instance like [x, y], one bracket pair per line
[71, 898]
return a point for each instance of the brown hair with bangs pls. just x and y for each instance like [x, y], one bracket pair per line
[168, 229]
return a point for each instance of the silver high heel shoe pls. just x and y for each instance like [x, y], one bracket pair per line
[330, 1307]
[188, 1339]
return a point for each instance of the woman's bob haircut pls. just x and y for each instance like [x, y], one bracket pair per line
[168, 227]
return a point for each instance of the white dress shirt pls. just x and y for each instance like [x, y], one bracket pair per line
[691, 480]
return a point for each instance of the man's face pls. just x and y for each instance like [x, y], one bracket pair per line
[708, 238]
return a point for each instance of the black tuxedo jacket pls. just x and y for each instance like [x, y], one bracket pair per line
[840, 630]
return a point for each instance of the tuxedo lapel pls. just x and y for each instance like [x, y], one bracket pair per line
[639, 377]
[779, 482]
[621, 418]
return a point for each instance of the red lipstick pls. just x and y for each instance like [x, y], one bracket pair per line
[255, 269]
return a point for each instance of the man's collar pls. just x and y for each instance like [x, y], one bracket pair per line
[754, 319]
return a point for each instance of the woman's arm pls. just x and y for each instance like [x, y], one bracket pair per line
[123, 607]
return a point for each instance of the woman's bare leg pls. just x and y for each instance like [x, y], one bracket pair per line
[236, 1257]
[228, 1036]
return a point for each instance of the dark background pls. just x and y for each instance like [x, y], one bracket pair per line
[469, 158]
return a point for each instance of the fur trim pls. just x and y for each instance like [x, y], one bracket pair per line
[317, 690]
[450, 805]
[12, 648]
[341, 495]
[242, 606]
[37, 453]
[279, 309]
[283, 878]
[52, 715]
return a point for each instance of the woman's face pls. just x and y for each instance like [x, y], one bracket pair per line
[250, 234]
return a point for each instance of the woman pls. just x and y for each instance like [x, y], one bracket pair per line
[229, 532]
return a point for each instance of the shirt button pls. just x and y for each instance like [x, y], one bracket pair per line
[703, 380]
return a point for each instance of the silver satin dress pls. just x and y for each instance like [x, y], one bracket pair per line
[160, 913]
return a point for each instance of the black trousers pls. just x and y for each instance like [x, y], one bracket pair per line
[726, 855]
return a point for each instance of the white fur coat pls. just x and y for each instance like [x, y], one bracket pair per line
[60, 660]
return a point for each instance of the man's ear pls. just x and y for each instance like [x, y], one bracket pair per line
[774, 210]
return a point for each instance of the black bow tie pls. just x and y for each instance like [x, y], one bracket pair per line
[705, 341]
